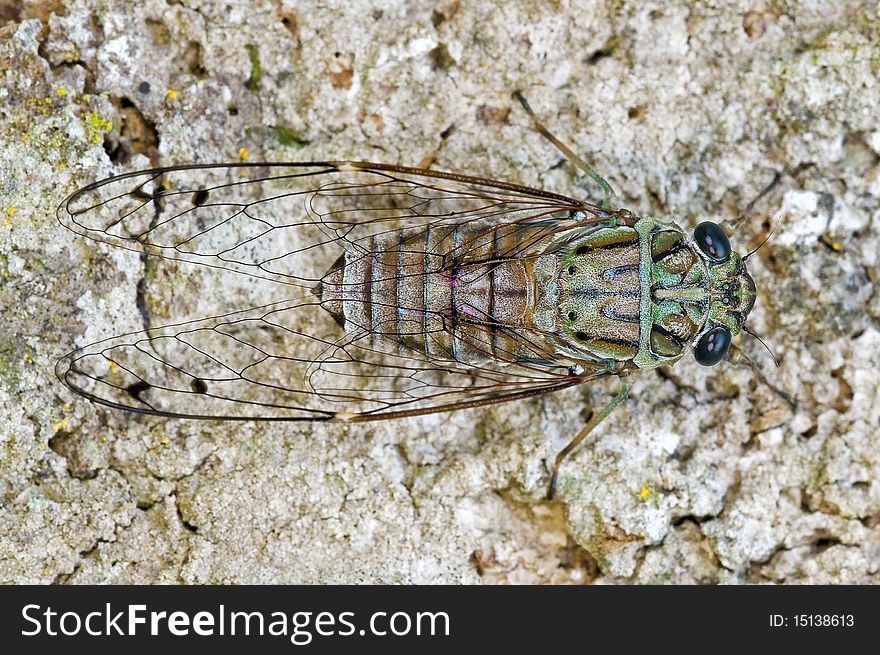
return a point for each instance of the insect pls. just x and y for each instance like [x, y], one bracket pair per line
[446, 292]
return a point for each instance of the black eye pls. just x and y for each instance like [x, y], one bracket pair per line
[712, 346]
[572, 316]
[712, 241]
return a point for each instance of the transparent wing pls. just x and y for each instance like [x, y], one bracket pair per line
[265, 219]
[267, 363]
[289, 360]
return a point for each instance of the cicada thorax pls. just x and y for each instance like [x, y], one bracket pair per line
[639, 296]
[449, 293]
[593, 301]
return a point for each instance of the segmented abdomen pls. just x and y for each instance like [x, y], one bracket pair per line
[451, 293]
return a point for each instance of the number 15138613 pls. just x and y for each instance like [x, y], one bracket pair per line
[812, 621]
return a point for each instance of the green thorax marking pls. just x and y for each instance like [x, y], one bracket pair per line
[591, 302]
[639, 294]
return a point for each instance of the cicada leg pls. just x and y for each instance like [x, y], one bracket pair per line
[595, 419]
[608, 192]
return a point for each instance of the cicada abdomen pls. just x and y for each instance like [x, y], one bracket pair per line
[457, 293]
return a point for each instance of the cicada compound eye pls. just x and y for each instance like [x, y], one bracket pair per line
[712, 240]
[712, 346]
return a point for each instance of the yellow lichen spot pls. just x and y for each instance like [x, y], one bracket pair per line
[827, 239]
[644, 493]
[10, 211]
[61, 91]
[60, 425]
[47, 100]
[164, 441]
[172, 94]
[45, 571]
[96, 126]
[66, 407]
[113, 366]
[243, 153]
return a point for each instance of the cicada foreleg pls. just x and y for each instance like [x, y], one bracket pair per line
[608, 192]
[595, 419]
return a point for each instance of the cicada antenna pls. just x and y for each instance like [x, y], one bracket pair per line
[565, 150]
[761, 245]
[760, 340]
[777, 177]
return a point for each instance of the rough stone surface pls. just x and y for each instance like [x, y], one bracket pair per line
[730, 474]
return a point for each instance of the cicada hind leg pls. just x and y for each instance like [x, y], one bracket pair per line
[595, 419]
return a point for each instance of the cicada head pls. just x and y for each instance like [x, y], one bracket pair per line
[696, 292]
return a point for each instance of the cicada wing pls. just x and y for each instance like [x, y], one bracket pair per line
[286, 223]
[271, 220]
[269, 363]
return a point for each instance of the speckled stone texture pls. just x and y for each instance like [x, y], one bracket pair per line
[734, 474]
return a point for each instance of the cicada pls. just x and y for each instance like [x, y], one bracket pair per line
[445, 292]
